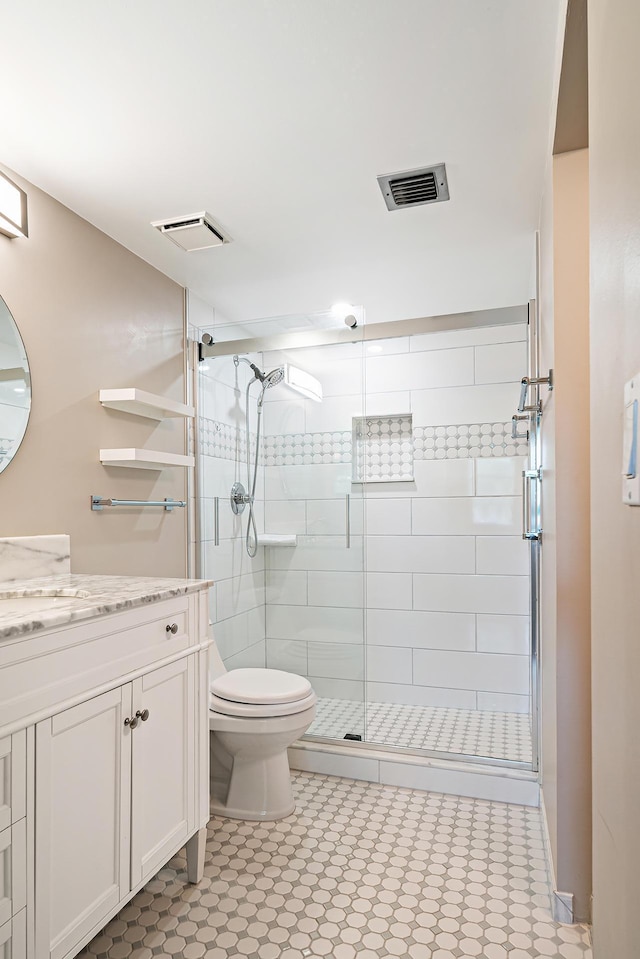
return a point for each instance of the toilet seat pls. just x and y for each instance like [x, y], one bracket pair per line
[260, 710]
[261, 687]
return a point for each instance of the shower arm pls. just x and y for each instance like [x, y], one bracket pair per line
[258, 374]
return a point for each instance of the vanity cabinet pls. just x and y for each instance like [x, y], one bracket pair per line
[82, 828]
[110, 779]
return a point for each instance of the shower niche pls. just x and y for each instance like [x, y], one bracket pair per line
[382, 449]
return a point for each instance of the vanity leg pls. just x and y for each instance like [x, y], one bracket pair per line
[195, 855]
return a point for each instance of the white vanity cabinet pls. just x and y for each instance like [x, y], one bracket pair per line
[82, 812]
[109, 779]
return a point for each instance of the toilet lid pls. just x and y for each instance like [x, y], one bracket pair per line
[260, 686]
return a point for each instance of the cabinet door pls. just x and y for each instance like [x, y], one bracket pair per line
[83, 773]
[163, 766]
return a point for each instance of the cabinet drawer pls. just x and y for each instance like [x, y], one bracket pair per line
[13, 870]
[57, 666]
[13, 937]
[172, 626]
[13, 778]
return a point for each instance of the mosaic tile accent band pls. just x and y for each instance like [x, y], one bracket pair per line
[223, 441]
[305, 449]
[462, 442]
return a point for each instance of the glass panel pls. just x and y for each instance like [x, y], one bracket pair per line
[237, 599]
[315, 589]
[447, 581]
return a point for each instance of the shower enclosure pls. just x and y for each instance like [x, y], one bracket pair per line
[390, 568]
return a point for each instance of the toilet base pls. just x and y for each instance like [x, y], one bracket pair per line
[250, 777]
[220, 809]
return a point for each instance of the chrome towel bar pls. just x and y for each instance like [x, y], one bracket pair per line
[99, 502]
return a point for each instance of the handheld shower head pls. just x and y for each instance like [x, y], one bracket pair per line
[268, 380]
[273, 378]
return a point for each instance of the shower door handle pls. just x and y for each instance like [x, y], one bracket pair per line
[216, 521]
[347, 509]
[528, 533]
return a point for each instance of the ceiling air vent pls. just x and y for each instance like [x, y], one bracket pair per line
[195, 232]
[415, 187]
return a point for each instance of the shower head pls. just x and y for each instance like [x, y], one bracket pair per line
[273, 378]
[268, 380]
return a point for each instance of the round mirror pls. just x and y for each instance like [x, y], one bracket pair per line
[15, 387]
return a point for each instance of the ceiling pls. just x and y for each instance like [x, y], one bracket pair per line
[276, 116]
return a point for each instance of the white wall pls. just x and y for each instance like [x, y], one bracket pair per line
[443, 575]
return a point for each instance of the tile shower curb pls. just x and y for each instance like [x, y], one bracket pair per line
[472, 780]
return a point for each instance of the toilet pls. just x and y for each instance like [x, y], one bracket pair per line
[254, 716]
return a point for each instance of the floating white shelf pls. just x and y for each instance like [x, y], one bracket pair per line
[144, 459]
[150, 405]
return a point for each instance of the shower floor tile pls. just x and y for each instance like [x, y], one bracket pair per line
[359, 871]
[464, 731]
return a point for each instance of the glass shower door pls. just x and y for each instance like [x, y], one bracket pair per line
[447, 574]
[315, 588]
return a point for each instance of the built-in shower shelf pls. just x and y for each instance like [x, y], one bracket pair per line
[141, 403]
[382, 449]
[277, 539]
[144, 459]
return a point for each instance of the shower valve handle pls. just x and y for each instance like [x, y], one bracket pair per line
[239, 498]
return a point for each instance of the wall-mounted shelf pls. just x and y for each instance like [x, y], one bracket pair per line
[141, 403]
[144, 459]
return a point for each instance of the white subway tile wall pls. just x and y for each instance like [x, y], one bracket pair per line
[428, 608]
[237, 604]
[445, 588]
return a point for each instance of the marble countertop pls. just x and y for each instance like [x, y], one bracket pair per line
[98, 596]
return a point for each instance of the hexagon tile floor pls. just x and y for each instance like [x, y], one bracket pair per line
[360, 870]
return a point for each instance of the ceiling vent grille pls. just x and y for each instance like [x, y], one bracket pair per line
[415, 187]
[198, 231]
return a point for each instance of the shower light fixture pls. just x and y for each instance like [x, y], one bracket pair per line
[303, 383]
[13, 209]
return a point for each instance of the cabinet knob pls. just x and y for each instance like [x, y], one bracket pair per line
[131, 722]
[173, 628]
[143, 715]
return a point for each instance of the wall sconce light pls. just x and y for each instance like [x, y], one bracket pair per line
[13, 209]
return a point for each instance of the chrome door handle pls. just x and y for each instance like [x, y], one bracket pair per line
[216, 521]
[171, 628]
[347, 501]
[527, 533]
[143, 715]
[131, 722]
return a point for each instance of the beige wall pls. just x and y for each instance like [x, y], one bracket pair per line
[92, 315]
[614, 120]
[566, 690]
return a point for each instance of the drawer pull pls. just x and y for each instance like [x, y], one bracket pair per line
[131, 722]
[173, 628]
[143, 715]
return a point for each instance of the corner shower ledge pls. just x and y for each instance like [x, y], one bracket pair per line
[144, 459]
[141, 403]
[277, 539]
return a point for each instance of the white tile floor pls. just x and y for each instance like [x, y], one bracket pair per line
[468, 731]
[360, 871]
